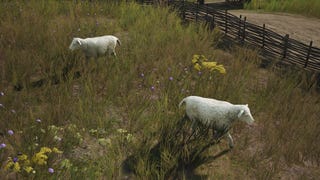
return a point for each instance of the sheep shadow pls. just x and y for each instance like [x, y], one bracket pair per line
[178, 152]
[54, 79]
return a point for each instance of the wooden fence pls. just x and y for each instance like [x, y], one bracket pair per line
[271, 45]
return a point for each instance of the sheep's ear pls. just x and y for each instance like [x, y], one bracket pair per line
[240, 113]
[78, 41]
[247, 105]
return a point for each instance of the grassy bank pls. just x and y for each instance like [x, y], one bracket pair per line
[307, 8]
[85, 119]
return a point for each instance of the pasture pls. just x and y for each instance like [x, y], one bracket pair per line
[61, 117]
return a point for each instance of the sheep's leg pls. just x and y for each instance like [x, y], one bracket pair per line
[87, 60]
[193, 129]
[193, 125]
[112, 52]
[230, 140]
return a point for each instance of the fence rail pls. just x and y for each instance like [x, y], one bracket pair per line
[271, 44]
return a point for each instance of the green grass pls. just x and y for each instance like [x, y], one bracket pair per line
[110, 112]
[307, 8]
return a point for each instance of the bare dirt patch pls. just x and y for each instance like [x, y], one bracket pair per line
[303, 29]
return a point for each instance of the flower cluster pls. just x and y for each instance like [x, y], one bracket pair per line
[200, 62]
[124, 133]
[41, 157]
[19, 163]
[22, 163]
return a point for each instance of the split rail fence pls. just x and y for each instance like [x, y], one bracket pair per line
[271, 44]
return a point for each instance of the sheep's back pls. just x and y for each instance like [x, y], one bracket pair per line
[208, 113]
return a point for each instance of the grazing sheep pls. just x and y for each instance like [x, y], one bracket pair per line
[96, 46]
[218, 115]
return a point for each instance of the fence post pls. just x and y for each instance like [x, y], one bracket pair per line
[197, 11]
[212, 22]
[308, 54]
[244, 29]
[226, 21]
[263, 35]
[207, 15]
[183, 10]
[285, 45]
[239, 32]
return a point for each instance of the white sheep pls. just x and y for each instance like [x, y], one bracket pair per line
[216, 114]
[96, 46]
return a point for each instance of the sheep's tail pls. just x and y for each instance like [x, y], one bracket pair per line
[118, 42]
[181, 103]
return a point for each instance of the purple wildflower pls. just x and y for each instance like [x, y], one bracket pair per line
[142, 75]
[1, 105]
[170, 78]
[51, 170]
[199, 73]
[15, 159]
[1, 93]
[10, 132]
[152, 88]
[13, 111]
[2, 145]
[38, 120]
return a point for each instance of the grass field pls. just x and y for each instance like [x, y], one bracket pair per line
[84, 120]
[307, 8]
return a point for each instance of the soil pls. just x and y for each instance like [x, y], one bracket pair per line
[301, 28]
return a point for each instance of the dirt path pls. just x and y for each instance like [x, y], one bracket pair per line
[303, 29]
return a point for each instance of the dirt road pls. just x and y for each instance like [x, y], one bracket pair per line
[303, 29]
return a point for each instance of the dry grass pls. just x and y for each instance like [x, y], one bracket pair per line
[111, 108]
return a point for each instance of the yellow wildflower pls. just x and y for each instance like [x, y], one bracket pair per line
[200, 62]
[56, 150]
[221, 69]
[9, 164]
[16, 167]
[203, 58]
[40, 158]
[23, 157]
[197, 66]
[45, 150]
[28, 169]
[209, 65]
[195, 58]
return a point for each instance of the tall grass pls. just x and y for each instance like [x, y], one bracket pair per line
[308, 8]
[118, 106]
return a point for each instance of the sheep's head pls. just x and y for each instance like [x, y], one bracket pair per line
[75, 44]
[245, 114]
